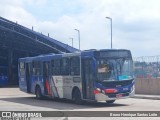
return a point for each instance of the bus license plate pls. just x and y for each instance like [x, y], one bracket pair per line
[119, 95]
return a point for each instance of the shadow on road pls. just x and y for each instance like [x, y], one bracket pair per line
[59, 104]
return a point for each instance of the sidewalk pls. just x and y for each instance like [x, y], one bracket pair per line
[152, 97]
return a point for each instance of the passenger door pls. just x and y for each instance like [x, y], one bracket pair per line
[28, 76]
[88, 78]
[46, 78]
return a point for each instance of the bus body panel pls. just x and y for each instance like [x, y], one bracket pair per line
[121, 91]
[37, 81]
[62, 86]
[22, 84]
[103, 97]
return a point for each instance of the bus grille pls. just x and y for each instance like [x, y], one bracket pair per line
[114, 84]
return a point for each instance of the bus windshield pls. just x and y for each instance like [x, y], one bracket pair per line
[114, 69]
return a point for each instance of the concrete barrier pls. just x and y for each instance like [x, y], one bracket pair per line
[150, 86]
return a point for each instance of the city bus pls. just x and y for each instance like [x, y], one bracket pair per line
[91, 75]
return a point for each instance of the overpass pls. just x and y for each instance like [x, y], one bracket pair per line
[17, 41]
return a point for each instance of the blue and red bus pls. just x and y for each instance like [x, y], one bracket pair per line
[92, 75]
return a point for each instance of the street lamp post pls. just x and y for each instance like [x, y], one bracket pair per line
[72, 41]
[78, 36]
[111, 29]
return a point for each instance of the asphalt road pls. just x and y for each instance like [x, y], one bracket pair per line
[12, 99]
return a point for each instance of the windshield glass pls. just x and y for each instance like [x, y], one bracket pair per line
[114, 69]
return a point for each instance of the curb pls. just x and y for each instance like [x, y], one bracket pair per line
[147, 97]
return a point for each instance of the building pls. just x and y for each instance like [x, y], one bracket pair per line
[17, 41]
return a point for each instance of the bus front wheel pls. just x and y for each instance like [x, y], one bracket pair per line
[38, 93]
[110, 102]
[76, 96]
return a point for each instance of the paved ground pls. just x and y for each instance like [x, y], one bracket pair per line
[12, 99]
[152, 97]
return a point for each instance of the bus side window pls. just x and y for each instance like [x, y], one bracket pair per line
[22, 68]
[39, 72]
[36, 68]
[65, 68]
[56, 67]
[45, 69]
[75, 66]
[33, 67]
[52, 67]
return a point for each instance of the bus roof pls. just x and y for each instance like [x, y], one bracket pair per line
[83, 53]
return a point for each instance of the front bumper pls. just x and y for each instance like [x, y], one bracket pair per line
[103, 97]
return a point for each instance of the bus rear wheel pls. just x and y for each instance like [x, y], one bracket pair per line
[38, 93]
[110, 102]
[76, 96]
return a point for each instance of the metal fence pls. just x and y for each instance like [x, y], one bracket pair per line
[147, 67]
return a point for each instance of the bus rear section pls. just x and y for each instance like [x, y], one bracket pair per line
[51, 76]
[24, 73]
[33, 73]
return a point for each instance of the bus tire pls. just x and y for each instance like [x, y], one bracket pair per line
[110, 102]
[76, 96]
[38, 93]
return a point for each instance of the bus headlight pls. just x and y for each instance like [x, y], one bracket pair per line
[99, 89]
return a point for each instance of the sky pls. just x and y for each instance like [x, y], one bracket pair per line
[135, 23]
